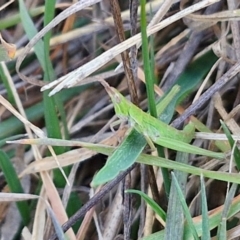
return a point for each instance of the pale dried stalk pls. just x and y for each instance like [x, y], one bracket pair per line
[79, 74]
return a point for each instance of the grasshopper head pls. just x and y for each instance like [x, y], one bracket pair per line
[120, 103]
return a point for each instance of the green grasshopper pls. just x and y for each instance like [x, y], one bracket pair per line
[153, 129]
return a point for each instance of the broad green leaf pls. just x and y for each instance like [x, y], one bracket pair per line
[188, 81]
[119, 161]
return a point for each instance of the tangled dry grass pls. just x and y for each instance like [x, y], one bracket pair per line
[59, 97]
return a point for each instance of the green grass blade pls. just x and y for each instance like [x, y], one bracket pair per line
[74, 204]
[6, 84]
[155, 207]
[175, 217]
[166, 100]
[221, 145]
[188, 148]
[14, 19]
[205, 219]
[231, 141]
[185, 207]
[48, 16]
[222, 228]
[52, 105]
[214, 217]
[14, 185]
[161, 162]
[188, 81]
[149, 76]
[31, 32]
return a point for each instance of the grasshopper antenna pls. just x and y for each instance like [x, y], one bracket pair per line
[107, 87]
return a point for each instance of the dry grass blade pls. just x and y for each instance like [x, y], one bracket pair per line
[39, 220]
[13, 197]
[114, 216]
[26, 235]
[6, 4]
[235, 69]
[216, 17]
[66, 159]
[116, 12]
[8, 106]
[66, 13]
[35, 129]
[78, 75]
[7, 50]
